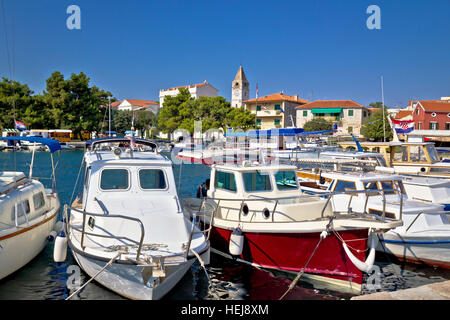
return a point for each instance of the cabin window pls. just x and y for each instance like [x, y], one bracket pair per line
[286, 180]
[22, 208]
[225, 180]
[401, 154]
[114, 179]
[379, 160]
[400, 187]
[417, 154]
[150, 179]
[38, 200]
[432, 153]
[256, 181]
[345, 186]
[371, 185]
[387, 187]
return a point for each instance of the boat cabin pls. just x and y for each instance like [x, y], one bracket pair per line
[373, 192]
[407, 157]
[21, 199]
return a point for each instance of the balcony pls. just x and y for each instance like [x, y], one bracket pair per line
[269, 113]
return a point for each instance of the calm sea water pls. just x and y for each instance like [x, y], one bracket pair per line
[44, 279]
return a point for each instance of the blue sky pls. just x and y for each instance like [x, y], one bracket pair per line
[318, 49]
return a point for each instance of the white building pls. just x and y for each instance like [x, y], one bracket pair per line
[134, 104]
[196, 90]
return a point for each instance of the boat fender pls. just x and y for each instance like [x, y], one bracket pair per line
[60, 248]
[236, 242]
[59, 226]
[52, 236]
[368, 264]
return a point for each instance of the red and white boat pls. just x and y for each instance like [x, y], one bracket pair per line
[260, 216]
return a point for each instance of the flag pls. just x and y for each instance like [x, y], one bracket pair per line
[256, 91]
[404, 126]
[20, 125]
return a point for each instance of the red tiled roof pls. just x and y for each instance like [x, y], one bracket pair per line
[435, 105]
[402, 114]
[141, 103]
[115, 103]
[278, 97]
[322, 104]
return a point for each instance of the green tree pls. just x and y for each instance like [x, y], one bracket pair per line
[240, 118]
[318, 124]
[15, 99]
[122, 121]
[182, 111]
[176, 111]
[373, 127]
[73, 103]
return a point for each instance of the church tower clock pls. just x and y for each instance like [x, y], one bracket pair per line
[240, 90]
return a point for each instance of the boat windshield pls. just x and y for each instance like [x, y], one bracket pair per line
[151, 179]
[417, 154]
[114, 179]
[257, 181]
[380, 160]
[433, 153]
[286, 180]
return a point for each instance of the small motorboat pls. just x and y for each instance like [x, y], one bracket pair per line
[261, 216]
[28, 213]
[128, 230]
[425, 234]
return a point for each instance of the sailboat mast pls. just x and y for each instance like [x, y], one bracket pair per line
[109, 117]
[382, 101]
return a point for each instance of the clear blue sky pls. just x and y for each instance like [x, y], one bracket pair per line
[319, 49]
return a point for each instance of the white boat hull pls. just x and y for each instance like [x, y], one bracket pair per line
[431, 251]
[20, 247]
[126, 279]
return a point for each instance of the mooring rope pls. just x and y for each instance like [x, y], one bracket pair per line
[100, 271]
[202, 264]
[323, 235]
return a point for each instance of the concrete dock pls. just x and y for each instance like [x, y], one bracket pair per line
[433, 291]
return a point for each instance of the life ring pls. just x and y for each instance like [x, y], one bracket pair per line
[368, 264]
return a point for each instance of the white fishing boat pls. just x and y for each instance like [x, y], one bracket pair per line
[261, 217]
[128, 230]
[28, 213]
[425, 234]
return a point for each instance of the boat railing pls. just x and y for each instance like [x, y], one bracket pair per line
[67, 214]
[197, 227]
[424, 212]
[328, 195]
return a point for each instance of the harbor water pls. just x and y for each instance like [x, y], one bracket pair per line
[42, 278]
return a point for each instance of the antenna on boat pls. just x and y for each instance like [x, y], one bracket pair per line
[382, 101]
[109, 117]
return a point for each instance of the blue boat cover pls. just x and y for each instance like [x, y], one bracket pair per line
[52, 144]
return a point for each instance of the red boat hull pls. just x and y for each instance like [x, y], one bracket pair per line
[291, 251]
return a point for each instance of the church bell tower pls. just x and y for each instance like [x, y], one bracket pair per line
[240, 89]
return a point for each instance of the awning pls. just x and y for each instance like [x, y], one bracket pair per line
[326, 110]
[53, 145]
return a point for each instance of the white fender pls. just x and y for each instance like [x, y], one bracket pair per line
[368, 264]
[236, 242]
[60, 248]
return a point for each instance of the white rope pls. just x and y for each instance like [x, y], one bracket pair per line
[100, 271]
